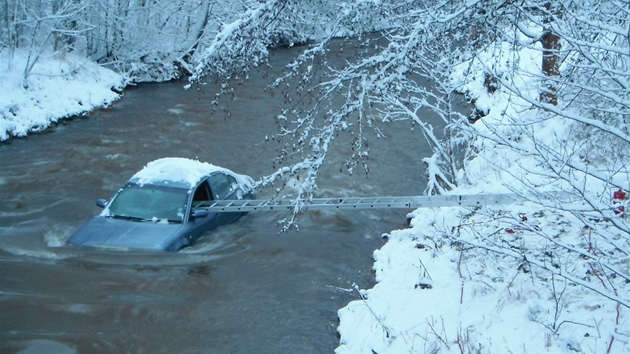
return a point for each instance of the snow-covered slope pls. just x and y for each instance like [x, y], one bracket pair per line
[55, 88]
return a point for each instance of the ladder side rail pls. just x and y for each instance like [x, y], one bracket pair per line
[404, 202]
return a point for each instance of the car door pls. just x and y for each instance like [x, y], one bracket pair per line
[203, 197]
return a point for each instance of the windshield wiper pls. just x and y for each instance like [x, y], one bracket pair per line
[139, 219]
[127, 217]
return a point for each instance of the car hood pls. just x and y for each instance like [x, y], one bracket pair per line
[125, 234]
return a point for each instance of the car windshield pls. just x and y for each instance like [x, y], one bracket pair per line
[148, 202]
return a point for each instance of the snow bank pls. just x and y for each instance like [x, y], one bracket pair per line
[438, 292]
[56, 88]
[518, 278]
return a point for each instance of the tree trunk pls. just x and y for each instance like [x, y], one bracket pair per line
[551, 59]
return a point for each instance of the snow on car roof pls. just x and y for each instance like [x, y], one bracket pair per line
[175, 169]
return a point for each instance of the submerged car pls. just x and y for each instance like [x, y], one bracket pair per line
[164, 207]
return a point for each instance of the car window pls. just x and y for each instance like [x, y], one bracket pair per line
[202, 196]
[221, 185]
[233, 183]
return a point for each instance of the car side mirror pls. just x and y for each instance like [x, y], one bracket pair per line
[101, 203]
[199, 213]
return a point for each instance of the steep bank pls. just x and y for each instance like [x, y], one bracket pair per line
[54, 88]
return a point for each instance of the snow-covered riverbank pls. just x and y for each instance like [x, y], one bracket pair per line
[518, 278]
[440, 290]
[55, 88]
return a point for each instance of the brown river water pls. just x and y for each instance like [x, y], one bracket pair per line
[243, 288]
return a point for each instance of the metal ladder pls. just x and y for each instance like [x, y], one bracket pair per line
[410, 202]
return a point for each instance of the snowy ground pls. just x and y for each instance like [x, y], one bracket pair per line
[55, 88]
[456, 280]
[438, 293]
[519, 278]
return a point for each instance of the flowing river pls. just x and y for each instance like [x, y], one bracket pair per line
[243, 288]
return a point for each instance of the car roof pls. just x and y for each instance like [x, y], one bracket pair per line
[175, 172]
